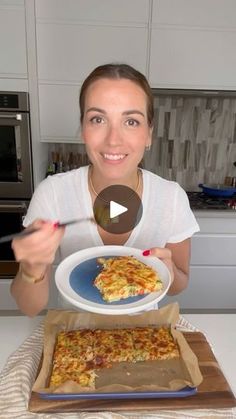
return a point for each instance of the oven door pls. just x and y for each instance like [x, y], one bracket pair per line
[11, 219]
[15, 156]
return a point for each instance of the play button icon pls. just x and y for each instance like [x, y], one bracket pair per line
[117, 209]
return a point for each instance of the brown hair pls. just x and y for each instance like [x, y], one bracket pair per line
[116, 72]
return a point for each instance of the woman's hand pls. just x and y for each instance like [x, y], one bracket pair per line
[176, 257]
[165, 255]
[37, 250]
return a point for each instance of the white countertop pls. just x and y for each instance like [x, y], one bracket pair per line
[209, 213]
[219, 329]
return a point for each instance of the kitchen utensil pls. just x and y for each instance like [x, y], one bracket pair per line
[26, 232]
[218, 190]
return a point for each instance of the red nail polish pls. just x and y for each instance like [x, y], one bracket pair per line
[56, 224]
[146, 252]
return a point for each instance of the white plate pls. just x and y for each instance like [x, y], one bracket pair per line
[75, 276]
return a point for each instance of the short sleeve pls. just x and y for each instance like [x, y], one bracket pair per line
[184, 223]
[41, 205]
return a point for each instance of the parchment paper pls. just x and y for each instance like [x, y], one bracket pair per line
[173, 374]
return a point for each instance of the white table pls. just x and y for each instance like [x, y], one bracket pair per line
[220, 330]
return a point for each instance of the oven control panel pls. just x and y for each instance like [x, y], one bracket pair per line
[14, 101]
[9, 101]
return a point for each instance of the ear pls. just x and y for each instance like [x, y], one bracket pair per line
[149, 137]
[81, 134]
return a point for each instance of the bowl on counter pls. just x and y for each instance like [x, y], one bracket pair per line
[218, 190]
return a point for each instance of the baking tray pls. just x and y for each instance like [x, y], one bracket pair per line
[214, 391]
[185, 392]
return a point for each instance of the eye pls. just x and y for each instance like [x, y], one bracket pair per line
[132, 122]
[97, 120]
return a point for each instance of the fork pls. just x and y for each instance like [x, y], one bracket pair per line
[26, 232]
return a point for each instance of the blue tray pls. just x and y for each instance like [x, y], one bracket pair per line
[185, 392]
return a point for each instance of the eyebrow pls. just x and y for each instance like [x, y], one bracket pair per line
[130, 112]
[93, 109]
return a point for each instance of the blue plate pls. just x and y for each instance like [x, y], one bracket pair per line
[82, 279]
[185, 392]
[74, 279]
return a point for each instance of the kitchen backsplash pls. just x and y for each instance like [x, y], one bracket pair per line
[194, 139]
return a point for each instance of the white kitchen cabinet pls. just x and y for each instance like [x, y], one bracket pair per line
[67, 53]
[107, 11]
[177, 44]
[210, 288]
[7, 302]
[201, 13]
[59, 113]
[193, 44]
[214, 249]
[13, 63]
[74, 37]
[61, 70]
[212, 284]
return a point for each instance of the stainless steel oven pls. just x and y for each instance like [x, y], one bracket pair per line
[16, 175]
[11, 217]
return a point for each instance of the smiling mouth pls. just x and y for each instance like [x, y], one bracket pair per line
[114, 157]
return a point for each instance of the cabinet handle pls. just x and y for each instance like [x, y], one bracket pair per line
[15, 207]
[16, 116]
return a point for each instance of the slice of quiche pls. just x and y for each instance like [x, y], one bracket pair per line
[150, 344]
[126, 276]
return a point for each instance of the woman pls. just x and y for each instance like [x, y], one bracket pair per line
[116, 106]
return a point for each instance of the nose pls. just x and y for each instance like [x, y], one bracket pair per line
[114, 136]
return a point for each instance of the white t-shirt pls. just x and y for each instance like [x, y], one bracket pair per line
[166, 218]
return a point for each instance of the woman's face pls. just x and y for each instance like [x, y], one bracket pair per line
[115, 126]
